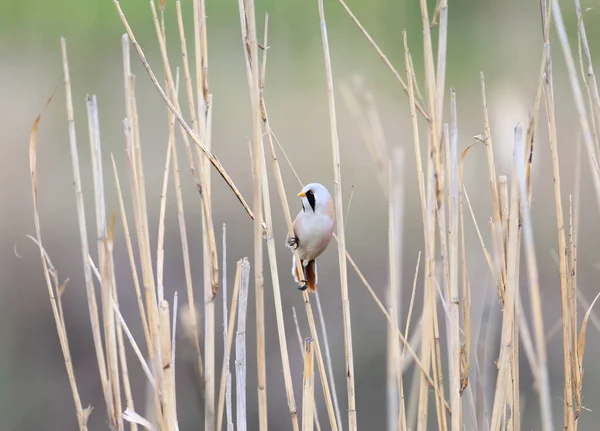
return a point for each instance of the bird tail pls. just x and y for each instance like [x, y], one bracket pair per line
[310, 273]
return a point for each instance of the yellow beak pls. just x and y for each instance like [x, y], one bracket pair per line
[301, 194]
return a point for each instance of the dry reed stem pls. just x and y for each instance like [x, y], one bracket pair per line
[134, 344]
[209, 246]
[160, 251]
[130, 255]
[336, 404]
[129, 136]
[577, 95]
[87, 272]
[240, 347]
[442, 9]
[55, 297]
[396, 409]
[106, 267]
[563, 268]
[251, 43]
[503, 391]
[497, 232]
[534, 293]
[406, 343]
[287, 375]
[168, 389]
[432, 102]
[226, 339]
[230, 332]
[208, 240]
[455, 384]
[307, 306]
[592, 85]
[339, 209]
[419, 104]
[300, 345]
[308, 388]
[188, 131]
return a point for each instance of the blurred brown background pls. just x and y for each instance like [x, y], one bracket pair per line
[500, 38]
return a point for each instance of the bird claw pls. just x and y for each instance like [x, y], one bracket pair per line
[304, 285]
[293, 242]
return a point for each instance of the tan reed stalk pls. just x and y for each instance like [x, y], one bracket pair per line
[230, 332]
[168, 393]
[120, 343]
[563, 267]
[453, 256]
[106, 266]
[435, 129]
[226, 342]
[339, 208]
[138, 194]
[307, 306]
[503, 392]
[188, 131]
[251, 42]
[419, 104]
[396, 409]
[287, 375]
[442, 8]
[300, 345]
[534, 292]
[209, 246]
[240, 347]
[160, 251]
[591, 84]
[497, 225]
[83, 236]
[336, 405]
[308, 388]
[405, 342]
[429, 298]
[578, 97]
[132, 264]
[55, 292]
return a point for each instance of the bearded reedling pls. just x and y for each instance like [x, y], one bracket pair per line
[313, 228]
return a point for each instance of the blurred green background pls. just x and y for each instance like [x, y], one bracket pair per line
[500, 38]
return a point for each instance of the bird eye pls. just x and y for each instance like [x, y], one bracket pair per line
[310, 192]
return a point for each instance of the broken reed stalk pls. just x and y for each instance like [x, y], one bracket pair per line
[82, 224]
[226, 358]
[226, 339]
[339, 209]
[240, 348]
[308, 388]
[55, 291]
[504, 383]
[106, 267]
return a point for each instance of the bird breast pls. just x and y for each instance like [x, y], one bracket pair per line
[314, 234]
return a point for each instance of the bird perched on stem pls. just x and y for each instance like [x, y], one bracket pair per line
[313, 228]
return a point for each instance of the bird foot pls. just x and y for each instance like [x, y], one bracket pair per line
[293, 242]
[304, 285]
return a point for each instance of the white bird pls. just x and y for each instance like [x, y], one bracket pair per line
[313, 228]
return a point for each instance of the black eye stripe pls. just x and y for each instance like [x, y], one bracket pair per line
[310, 196]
